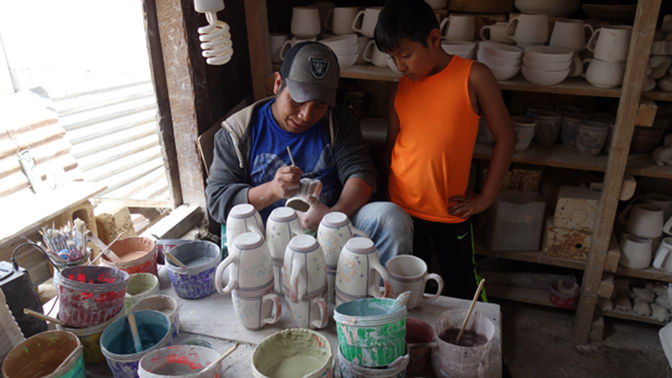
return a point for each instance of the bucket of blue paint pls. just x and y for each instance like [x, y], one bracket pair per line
[201, 258]
[49, 354]
[368, 334]
[117, 341]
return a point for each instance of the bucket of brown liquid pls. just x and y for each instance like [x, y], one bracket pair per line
[137, 254]
[471, 357]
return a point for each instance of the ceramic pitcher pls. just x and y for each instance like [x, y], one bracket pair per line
[334, 231]
[365, 21]
[359, 272]
[528, 29]
[570, 34]
[457, 28]
[242, 218]
[304, 272]
[283, 224]
[251, 265]
[611, 43]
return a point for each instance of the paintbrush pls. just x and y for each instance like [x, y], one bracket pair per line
[223, 356]
[291, 158]
[134, 331]
[471, 308]
[174, 260]
[36, 314]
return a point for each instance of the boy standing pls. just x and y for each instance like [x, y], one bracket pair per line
[433, 124]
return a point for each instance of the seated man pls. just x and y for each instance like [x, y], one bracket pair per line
[251, 162]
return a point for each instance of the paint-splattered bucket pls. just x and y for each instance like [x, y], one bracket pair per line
[140, 285]
[138, 255]
[368, 334]
[184, 361]
[59, 354]
[419, 333]
[165, 245]
[295, 352]
[117, 341]
[162, 303]
[198, 280]
[397, 369]
[90, 338]
[90, 295]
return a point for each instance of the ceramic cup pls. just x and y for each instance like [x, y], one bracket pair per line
[603, 74]
[304, 272]
[484, 135]
[528, 29]
[365, 21]
[457, 28]
[662, 259]
[362, 42]
[359, 272]
[657, 199]
[570, 127]
[277, 40]
[643, 220]
[548, 127]
[257, 310]
[251, 265]
[525, 128]
[305, 22]
[289, 43]
[309, 313]
[282, 225]
[570, 34]
[242, 218]
[374, 56]
[496, 33]
[323, 9]
[590, 137]
[610, 43]
[409, 273]
[635, 251]
[339, 20]
[667, 227]
[334, 231]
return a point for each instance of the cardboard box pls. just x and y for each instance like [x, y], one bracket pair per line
[576, 208]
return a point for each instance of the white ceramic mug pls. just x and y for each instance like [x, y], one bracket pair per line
[662, 259]
[242, 218]
[635, 251]
[339, 20]
[409, 273]
[528, 29]
[374, 56]
[570, 34]
[496, 32]
[309, 313]
[305, 22]
[290, 43]
[603, 74]
[255, 312]
[251, 265]
[660, 200]
[611, 43]
[643, 220]
[359, 272]
[283, 224]
[458, 27]
[365, 21]
[304, 272]
[362, 42]
[277, 40]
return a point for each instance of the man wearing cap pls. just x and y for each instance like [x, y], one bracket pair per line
[252, 164]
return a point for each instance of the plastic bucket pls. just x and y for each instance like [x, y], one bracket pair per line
[59, 354]
[418, 332]
[60, 266]
[162, 303]
[198, 280]
[90, 295]
[295, 352]
[457, 361]
[395, 370]
[165, 245]
[117, 341]
[137, 254]
[179, 361]
[368, 334]
[90, 338]
[140, 285]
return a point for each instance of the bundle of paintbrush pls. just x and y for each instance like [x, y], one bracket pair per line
[67, 243]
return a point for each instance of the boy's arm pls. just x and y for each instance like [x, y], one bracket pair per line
[392, 132]
[491, 104]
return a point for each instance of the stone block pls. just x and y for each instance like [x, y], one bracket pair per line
[113, 218]
[646, 113]
[576, 208]
[566, 243]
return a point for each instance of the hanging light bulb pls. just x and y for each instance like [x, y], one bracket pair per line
[216, 40]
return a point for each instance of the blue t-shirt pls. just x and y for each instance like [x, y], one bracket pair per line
[311, 151]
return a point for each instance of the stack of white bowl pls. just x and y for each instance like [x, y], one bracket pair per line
[546, 65]
[345, 47]
[463, 49]
[503, 60]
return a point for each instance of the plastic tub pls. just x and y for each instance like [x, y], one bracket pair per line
[90, 338]
[516, 221]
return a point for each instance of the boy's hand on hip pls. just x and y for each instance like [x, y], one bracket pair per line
[311, 219]
[466, 206]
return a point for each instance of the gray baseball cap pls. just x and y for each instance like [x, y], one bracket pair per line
[311, 72]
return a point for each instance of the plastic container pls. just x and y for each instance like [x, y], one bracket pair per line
[90, 338]
[295, 352]
[138, 255]
[50, 354]
[515, 221]
[162, 303]
[564, 293]
[418, 332]
[394, 370]
[140, 285]
[186, 361]
[198, 280]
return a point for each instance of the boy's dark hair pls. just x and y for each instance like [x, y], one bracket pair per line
[411, 19]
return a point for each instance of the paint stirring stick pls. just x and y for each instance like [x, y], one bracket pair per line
[36, 314]
[174, 260]
[223, 356]
[291, 157]
[473, 303]
[134, 331]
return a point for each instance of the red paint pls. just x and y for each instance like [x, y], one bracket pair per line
[318, 340]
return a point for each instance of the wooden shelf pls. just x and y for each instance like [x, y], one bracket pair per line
[629, 315]
[536, 257]
[649, 273]
[561, 156]
[521, 294]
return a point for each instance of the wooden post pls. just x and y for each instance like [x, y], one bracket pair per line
[635, 72]
[259, 44]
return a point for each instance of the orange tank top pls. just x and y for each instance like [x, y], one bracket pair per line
[432, 155]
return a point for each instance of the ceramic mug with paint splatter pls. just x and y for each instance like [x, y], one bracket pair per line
[304, 272]
[359, 272]
[251, 266]
[282, 225]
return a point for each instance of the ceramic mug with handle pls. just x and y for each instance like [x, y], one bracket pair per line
[643, 220]
[339, 20]
[528, 29]
[365, 21]
[242, 218]
[662, 259]
[251, 265]
[309, 313]
[610, 43]
[254, 312]
[305, 22]
[359, 272]
[304, 272]
[496, 32]
[457, 27]
[635, 251]
[570, 34]
[283, 224]
[409, 273]
[374, 56]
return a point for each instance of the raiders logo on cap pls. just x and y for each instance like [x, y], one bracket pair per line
[319, 67]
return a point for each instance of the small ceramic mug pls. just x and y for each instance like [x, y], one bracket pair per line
[636, 251]
[643, 220]
[283, 224]
[374, 56]
[611, 43]
[242, 218]
[304, 272]
[662, 259]
[309, 313]
[496, 33]
[254, 312]
[365, 21]
[251, 265]
[409, 273]
[305, 22]
[528, 29]
[339, 20]
[458, 28]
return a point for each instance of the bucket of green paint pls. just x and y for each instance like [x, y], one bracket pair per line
[50, 354]
[140, 285]
[90, 338]
[183, 361]
[368, 334]
[117, 341]
[295, 352]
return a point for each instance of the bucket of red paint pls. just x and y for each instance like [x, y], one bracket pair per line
[49, 354]
[179, 361]
[420, 340]
[90, 295]
[137, 254]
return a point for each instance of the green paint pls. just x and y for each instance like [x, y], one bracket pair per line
[26, 350]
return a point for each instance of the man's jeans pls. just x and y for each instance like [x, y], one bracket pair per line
[389, 227]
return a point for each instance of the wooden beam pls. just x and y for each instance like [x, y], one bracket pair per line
[635, 72]
[177, 223]
[259, 44]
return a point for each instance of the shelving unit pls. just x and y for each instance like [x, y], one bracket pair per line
[615, 165]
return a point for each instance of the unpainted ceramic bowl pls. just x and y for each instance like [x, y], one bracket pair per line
[549, 7]
[492, 61]
[346, 61]
[500, 50]
[340, 40]
[453, 47]
[546, 66]
[554, 54]
[540, 77]
[504, 73]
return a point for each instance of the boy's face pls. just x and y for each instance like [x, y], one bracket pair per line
[416, 61]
